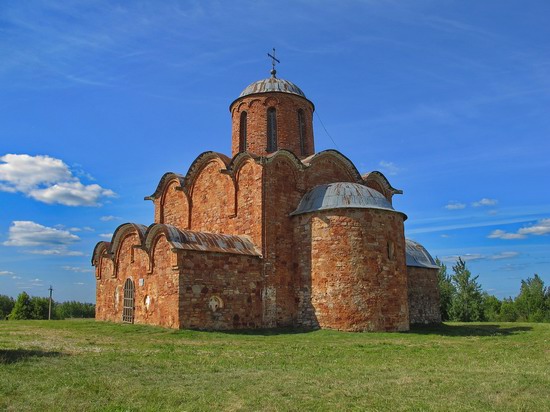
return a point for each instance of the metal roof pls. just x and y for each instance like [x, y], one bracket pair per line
[272, 84]
[342, 195]
[418, 256]
[202, 241]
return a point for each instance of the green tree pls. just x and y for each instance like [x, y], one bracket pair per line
[491, 307]
[467, 303]
[40, 307]
[22, 308]
[6, 306]
[508, 311]
[531, 303]
[446, 290]
[73, 309]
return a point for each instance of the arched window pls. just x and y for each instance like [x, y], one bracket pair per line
[302, 132]
[242, 133]
[271, 129]
[128, 303]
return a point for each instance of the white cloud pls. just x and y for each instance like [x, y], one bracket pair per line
[467, 257]
[61, 251]
[453, 205]
[106, 235]
[389, 168]
[108, 218]
[16, 277]
[79, 283]
[47, 180]
[478, 256]
[6, 273]
[485, 202]
[501, 234]
[47, 240]
[542, 227]
[76, 269]
[71, 194]
[504, 255]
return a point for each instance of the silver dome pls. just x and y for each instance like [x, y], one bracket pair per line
[342, 195]
[418, 256]
[272, 84]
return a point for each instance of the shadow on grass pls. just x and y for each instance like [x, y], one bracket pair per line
[468, 330]
[8, 356]
[267, 332]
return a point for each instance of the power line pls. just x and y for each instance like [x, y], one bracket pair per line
[326, 131]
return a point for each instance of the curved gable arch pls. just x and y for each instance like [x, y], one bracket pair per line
[124, 230]
[200, 162]
[376, 180]
[338, 159]
[164, 181]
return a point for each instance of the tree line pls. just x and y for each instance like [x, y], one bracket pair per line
[35, 307]
[463, 299]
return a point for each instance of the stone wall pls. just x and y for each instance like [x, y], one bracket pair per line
[423, 293]
[220, 291]
[352, 270]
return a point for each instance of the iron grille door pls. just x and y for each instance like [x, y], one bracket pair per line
[128, 307]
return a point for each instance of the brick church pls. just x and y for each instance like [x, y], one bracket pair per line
[276, 235]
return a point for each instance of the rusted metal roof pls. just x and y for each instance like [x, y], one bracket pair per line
[418, 256]
[272, 84]
[342, 195]
[202, 241]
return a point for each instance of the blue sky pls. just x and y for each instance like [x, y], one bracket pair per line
[450, 99]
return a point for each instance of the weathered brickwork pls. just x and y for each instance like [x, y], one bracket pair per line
[174, 206]
[213, 199]
[220, 291]
[247, 242]
[423, 295]
[288, 127]
[349, 281]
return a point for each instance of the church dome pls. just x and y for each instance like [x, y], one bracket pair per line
[418, 256]
[272, 84]
[342, 195]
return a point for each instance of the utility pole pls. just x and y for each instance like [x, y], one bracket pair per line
[50, 306]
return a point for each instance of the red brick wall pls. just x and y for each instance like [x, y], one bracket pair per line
[326, 169]
[288, 135]
[281, 198]
[213, 200]
[249, 201]
[161, 285]
[235, 279]
[423, 295]
[348, 280]
[174, 206]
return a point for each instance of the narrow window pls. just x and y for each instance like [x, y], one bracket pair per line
[391, 250]
[128, 304]
[302, 131]
[242, 133]
[271, 129]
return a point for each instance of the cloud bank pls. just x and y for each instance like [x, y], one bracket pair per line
[47, 180]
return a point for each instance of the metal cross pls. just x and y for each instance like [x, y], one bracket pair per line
[273, 60]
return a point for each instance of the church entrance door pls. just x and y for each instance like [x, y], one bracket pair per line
[128, 307]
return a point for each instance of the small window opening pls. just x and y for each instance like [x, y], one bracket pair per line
[271, 129]
[242, 133]
[302, 132]
[391, 251]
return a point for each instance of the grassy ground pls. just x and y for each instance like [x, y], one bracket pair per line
[83, 365]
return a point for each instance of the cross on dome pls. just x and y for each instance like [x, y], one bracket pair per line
[273, 60]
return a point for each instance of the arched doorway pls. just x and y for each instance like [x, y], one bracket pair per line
[128, 307]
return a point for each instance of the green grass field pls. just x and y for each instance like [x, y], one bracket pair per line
[82, 365]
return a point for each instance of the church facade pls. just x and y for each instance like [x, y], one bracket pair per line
[276, 235]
